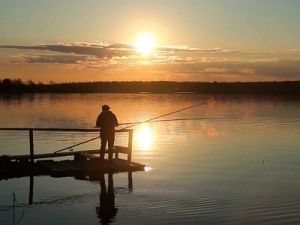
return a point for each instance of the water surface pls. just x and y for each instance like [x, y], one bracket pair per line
[240, 165]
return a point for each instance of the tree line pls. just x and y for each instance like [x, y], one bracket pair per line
[275, 88]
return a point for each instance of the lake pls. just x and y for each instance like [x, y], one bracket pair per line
[239, 164]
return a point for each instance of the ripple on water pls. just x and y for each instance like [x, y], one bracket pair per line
[265, 209]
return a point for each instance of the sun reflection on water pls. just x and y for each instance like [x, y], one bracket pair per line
[144, 137]
[148, 169]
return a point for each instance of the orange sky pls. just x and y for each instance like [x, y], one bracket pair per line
[193, 40]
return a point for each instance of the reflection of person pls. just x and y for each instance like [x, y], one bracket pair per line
[107, 121]
[107, 211]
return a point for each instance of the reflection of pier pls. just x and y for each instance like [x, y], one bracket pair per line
[107, 209]
[105, 193]
[84, 163]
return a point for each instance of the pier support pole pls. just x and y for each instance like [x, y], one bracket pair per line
[130, 138]
[14, 209]
[30, 199]
[130, 183]
[31, 146]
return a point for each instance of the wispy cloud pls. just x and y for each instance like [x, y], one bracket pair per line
[245, 70]
[105, 50]
[48, 58]
[100, 51]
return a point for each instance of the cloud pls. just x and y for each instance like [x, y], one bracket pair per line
[100, 51]
[188, 49]
[175, 61]
[228, 70]
[49, 59]
[281, 68]
[293, 51]
[105, 50]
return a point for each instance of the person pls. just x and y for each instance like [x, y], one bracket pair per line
[107, 121]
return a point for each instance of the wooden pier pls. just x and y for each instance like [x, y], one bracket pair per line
[84, 162]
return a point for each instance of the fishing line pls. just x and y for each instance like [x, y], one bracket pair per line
[132, 125]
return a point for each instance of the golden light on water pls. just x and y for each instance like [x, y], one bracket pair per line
[144, 43]
[144, 137]
[148, 169]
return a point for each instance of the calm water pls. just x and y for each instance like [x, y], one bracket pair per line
[239, 166]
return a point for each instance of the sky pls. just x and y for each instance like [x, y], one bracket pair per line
[194, 40]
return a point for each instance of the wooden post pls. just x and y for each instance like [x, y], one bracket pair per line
[116, 153]
[130, 138]
[31, 146]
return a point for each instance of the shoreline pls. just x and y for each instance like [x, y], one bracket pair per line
[8, 86]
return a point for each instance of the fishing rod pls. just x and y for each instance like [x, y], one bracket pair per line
[157, 117]
[175, 119]
[132, 125]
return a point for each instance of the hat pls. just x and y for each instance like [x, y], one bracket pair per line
[105, 107]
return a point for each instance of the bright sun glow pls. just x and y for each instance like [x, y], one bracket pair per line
[144, 43]
[144, 137]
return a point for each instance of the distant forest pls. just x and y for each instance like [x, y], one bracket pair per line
[273, 88]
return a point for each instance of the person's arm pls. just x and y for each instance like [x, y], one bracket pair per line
[99, 121]
[116, 121]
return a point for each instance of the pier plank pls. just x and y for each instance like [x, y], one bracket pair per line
[117, 149]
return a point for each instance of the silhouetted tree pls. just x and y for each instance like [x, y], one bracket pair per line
[258, 88]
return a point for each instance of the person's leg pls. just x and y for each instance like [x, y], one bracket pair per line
[111, 141]
[103, 146]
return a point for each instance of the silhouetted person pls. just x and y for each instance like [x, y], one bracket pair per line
[107, 121]
[106, 211]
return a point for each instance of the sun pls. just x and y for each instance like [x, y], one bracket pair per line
[144, 43]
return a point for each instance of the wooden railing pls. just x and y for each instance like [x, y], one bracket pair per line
[117, 149]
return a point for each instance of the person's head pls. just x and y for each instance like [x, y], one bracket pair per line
[105, 108]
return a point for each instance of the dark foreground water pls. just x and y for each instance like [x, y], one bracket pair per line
[239, 166]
